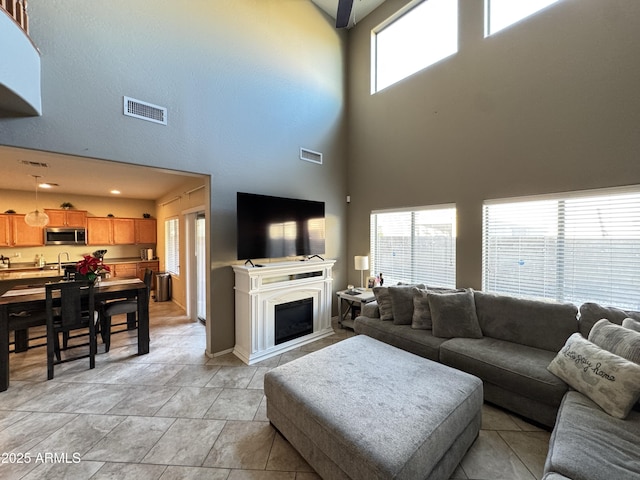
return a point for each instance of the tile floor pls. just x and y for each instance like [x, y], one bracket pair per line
[176, 414]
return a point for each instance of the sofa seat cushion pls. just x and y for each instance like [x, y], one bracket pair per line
[587, 443]
[513, 367]
[418, 342]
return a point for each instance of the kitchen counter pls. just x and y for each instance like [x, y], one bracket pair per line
[26, 273]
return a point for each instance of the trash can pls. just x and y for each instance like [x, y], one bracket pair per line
[163, 287]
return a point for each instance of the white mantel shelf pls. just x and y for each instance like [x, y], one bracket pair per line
[259, 290]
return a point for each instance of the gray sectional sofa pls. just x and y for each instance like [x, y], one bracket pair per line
[516, 341]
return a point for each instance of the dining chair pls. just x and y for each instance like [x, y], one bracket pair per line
[119, 307]
[70, 308]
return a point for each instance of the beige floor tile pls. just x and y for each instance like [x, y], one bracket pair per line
[129, 471]
[27, 432]
[187, 442]
[144, 400]
[233, 377]
[490, 458]
[494, 418]
[235, 404]
[189, 402]
[284, 457]
[531, 448]
[261, 475]
[193, 375]
[242, 445]
[83, 470]
[131, 440]
[194, 473]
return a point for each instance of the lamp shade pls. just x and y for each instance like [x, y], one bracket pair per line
[361, 262]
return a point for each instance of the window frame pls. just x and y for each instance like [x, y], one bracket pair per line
[412, 272]
[581, 256]
[399, 15]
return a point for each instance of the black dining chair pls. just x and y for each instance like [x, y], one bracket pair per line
[119, 307]
[70, 308]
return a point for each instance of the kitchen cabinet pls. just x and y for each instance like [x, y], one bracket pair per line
[14, 232]
[153, 265]
[145, 230]
[110, 231]
[67, 218]
[124, 270]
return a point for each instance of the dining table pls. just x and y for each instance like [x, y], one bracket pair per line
[23, 307]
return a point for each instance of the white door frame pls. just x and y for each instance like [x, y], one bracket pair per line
[190, 259]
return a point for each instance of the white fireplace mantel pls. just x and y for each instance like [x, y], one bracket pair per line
[259, 290]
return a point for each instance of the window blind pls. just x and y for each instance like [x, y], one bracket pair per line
[415, 246]
[172, 246]
[575, 247]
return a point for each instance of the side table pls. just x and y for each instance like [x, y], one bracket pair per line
[352, 301]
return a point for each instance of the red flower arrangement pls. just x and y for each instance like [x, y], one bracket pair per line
[91, 267]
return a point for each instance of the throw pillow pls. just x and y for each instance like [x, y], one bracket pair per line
[616, 339]
[631, 324]
[454, 315]
[384, 302]
[402, 303]
[421, 319]
[610, 380]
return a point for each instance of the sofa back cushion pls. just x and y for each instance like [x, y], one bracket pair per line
[535, 323]
[590, 313]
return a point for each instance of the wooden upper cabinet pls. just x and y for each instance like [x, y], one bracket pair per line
[124, 231]
[146, 230]
[99, 231]
[110, 231]
[67, 218]
[5, 230]
[25, 235]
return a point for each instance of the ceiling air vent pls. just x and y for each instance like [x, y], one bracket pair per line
[29, 163]
[310, 156]
[145, 111]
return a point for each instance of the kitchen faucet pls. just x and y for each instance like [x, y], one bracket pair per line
[60, 263]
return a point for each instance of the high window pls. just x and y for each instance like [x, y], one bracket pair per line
[500, 14]
[415, 246]
[418, 36]
[576, 247]
[172, 246]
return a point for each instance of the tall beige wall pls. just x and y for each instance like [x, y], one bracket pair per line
[548, 105]
[246, 83]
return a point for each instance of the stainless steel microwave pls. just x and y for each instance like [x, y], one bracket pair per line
[65, 236]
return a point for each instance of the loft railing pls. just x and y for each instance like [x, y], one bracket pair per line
[17, 9]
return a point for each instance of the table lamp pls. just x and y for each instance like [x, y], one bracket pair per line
[361, 263]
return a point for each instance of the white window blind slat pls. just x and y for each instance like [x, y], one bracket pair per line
[574, 247]
[172, 246]
[414, 246]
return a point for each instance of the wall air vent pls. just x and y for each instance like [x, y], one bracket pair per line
[310, 156]
[30, 163]
[145, 111]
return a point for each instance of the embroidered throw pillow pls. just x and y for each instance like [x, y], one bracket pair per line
[611, 381]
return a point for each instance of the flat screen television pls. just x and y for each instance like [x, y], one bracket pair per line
[276, 227]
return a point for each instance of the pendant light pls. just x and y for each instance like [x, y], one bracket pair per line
[36, 218]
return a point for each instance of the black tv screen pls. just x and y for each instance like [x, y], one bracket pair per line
[276, 227]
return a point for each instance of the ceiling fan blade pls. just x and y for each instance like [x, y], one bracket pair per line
[344, 13]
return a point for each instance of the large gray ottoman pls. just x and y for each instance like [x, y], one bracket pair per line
[362, 409]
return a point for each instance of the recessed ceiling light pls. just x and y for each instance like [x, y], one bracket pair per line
[48, 185]
[115, 192]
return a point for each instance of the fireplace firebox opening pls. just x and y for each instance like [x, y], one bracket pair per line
[293, 320]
